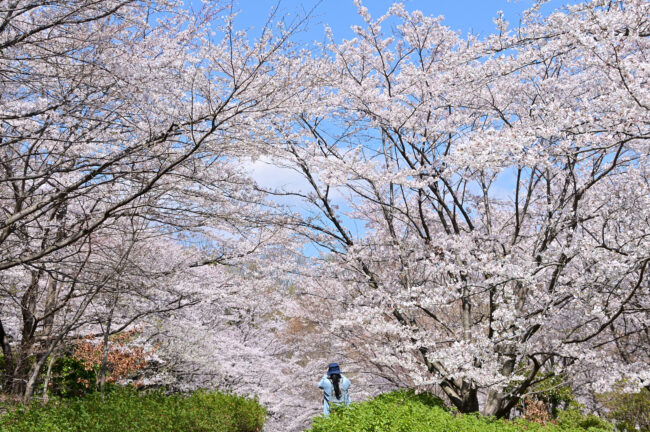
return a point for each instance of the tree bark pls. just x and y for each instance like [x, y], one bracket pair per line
[48, 376]
[26, 348]
[9, 359]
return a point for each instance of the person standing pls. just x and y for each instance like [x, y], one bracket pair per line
[335, 388]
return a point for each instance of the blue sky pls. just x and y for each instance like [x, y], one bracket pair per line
[467, 16]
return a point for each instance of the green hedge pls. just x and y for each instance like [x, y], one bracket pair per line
[125, 410]
[404, 411]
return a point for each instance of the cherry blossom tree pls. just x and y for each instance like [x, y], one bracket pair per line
[91, 130]
[120, 111]
[482, 205]
[237, 336]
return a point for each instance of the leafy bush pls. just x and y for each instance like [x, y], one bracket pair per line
[404, 411]
[70, 378]
[630, 411]
[128, 410]
[573, 419]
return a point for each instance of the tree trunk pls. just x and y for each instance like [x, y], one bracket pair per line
[7, 375]
[469, 401]
[107, 332]
[26, 348]
[37, 367]
[32, 380]
[494, 404]
[50, 304]
[48, 375]
[102, 371]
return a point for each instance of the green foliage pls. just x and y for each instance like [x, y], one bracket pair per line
[573, 418]
[70, 378]
[630, 411]
[404, 411]
[554, 391]
[128, 410]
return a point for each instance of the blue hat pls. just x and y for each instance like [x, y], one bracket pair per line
[333, 369]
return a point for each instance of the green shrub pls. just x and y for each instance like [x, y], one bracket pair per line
[404, 411]
[69, 378]
[630, 411]
[126, 410]
[573, 418]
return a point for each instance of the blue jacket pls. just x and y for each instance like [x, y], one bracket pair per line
[328, 392]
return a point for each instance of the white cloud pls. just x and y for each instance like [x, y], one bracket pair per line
[269, 175]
